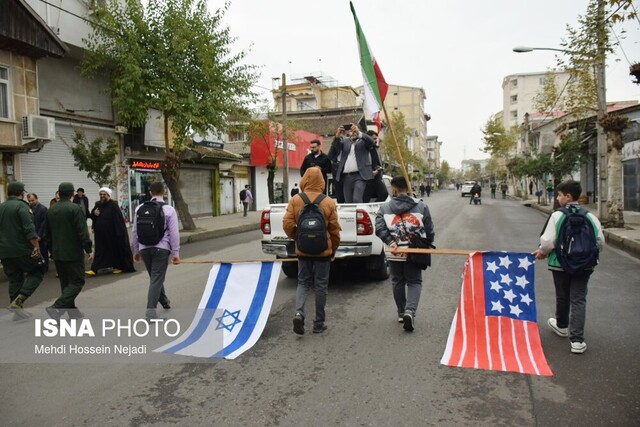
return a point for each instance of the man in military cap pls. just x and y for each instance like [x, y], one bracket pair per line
[19, 249]
[68, 238]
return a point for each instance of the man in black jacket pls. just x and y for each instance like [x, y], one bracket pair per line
[82, 200]
[375, 188]
[316, 158]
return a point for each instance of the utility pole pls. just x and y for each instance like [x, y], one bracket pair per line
[285, 148]
[599, 69]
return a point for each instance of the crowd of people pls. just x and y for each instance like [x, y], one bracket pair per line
[32, 235]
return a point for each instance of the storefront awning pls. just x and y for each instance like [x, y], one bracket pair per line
[210, 155]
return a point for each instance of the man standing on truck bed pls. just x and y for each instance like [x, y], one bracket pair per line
[314, 262]
[316, 158]
[354, 169]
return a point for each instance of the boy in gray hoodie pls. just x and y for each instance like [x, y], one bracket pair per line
[396, 220]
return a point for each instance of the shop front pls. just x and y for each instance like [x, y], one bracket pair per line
[142, 173]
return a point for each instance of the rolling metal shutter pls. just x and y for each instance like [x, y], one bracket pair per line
[43, 171]
[196, 190]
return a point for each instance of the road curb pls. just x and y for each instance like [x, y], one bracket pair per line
[616, 237]
[199, 236]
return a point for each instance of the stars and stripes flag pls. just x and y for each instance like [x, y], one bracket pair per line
[232, 313]
[375, 87]
[494, 326]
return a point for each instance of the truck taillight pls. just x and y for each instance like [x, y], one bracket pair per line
[363, 223]
[265, 222]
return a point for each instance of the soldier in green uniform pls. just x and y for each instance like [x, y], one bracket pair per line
[68, 238]
[19, 249]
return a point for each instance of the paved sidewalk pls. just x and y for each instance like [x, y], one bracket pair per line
[627, 239]
[218, 226]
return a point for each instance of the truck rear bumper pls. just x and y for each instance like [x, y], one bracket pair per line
[287, 249]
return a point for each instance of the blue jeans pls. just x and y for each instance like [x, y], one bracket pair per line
[406, 279]
[156, 261]
[571, 303]
[313, 273]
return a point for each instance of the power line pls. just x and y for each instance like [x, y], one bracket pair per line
[619, 44]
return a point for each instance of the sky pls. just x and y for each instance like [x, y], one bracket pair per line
[457, 51]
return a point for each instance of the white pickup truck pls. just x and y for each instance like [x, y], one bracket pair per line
[359, 245]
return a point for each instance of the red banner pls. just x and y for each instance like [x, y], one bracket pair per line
[298, 147]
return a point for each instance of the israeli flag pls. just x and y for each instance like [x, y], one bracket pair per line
[232, 313]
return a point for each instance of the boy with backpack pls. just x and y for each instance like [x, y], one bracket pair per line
[156, 238]
[246, 197]
[311, 221]
[571, 240]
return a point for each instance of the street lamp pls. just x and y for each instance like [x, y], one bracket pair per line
[601, 137]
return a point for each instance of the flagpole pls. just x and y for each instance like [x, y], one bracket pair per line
[393, 134]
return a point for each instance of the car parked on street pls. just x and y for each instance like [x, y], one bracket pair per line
[466, 188]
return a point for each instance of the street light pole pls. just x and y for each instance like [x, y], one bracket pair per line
[285, 144]
[599, 74]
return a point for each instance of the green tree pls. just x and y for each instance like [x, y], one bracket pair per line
[388, 149]
[95, 157]
[173, 56]
[498, 141]
[444, 174]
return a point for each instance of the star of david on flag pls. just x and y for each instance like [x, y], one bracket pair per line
[494, 326]
[232, 313]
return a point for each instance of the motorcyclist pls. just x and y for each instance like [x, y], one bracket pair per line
[476, 189]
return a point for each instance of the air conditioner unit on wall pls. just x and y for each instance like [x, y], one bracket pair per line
[38, 127]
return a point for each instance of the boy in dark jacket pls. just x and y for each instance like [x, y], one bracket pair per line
[395, 221]
[571, 289]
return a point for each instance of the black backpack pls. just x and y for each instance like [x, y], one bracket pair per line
[150, 223]
[243, 194]
[576, 246]
[312, 227]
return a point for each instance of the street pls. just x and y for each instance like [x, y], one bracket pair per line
[365, 370]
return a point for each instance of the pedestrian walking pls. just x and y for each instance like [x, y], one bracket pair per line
[571, 288]
[68, 238]
[247, 199]
[82, 200]
[19, 249]
[396, 221]
[493, 187]
[158, 250]
[549, 188]
[313, 268]
[39, 219]
[503, 189]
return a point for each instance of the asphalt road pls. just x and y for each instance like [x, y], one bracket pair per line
[365, 370]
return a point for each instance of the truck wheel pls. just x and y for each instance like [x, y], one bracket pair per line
[380, 269]
[290, 269]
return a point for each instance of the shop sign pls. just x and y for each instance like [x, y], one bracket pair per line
[150, 165]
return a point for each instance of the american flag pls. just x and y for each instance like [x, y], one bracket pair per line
[495, 323]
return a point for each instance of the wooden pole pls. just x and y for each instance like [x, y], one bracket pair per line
[404, 168]
[401, 250]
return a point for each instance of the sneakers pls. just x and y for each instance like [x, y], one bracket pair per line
[553, 324]
[578, 347]
[116, 271]
[319, 328]
[17, 309]
[54, 312]
[298, 324]
[166, 305]
[407, 321]
[90, 273]
[74, 313]
[400, 319]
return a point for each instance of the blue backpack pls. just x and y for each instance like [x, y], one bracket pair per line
[576, 246]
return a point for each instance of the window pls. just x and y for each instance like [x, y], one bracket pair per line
[513, 83]
[307, 105]
[5, 93]
[514, 115]
[514, 99]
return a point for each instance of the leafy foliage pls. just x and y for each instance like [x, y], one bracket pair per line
[388, 149]
[171, 55]
[497, 141]
[95, 157]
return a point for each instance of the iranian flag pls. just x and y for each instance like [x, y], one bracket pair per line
[375, 88]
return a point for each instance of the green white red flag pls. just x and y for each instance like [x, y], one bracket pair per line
[375, 87]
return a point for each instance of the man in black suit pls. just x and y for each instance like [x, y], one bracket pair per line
[354, 168]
